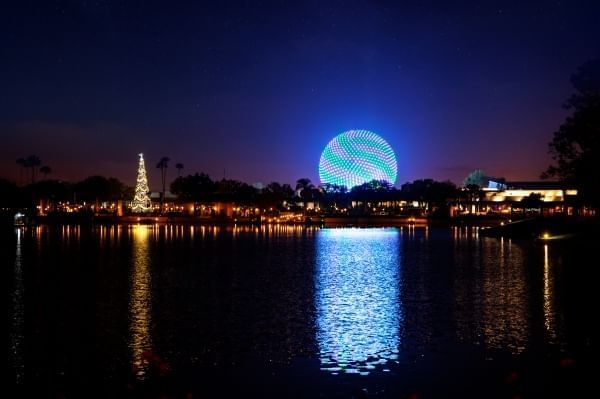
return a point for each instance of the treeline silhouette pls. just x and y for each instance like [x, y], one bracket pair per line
[91, 189]
[199, 187]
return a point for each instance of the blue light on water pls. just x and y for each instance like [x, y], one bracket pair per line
[358, 299]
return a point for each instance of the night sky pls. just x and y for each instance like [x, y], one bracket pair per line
[255, 90]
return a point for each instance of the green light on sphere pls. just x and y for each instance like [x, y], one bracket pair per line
[356, 157]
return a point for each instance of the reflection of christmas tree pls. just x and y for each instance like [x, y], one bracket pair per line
[141, 201]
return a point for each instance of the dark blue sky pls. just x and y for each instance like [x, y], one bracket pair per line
[259, 88]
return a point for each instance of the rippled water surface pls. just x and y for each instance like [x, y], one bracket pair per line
[293, 311]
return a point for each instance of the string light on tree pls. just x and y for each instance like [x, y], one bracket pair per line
[141, 201]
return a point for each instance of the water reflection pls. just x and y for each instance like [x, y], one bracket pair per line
[493, 303]
[17, 319]
[550, 311]
[505, 318]
[357, 298]
[141, 299]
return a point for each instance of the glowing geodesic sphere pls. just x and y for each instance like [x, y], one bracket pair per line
[356, 157]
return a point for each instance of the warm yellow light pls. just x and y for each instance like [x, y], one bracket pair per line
[546, 236]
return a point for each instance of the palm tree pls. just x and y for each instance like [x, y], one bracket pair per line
[304, 188]
[303, 183]
[179, 166]
[45, 170]
[33, 162]
[162, 165]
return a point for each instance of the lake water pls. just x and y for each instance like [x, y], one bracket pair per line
[283, 311]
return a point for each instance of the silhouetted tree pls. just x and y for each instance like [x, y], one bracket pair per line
[372, 190]
[10, 195]
[32, 162]
[429, 193]
[234, 190]
[532, 201]
[45, 170]
[305, 188]
[163, 164]
[178, 166]
[100, 188]
[473, 195]
[51, 191]
[575, 147]
[335, 196]
[275, 193]
[197, 187]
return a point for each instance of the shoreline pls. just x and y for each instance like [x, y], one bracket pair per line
[538, 228]
[326, 221]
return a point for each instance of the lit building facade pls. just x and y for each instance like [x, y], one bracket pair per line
[547, 197]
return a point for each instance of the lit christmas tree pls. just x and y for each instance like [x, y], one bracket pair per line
[141, 201]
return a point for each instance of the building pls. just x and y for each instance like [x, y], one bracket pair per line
[544, 197]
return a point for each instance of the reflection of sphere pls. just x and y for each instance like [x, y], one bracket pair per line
[356, 157]
[357, 296]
